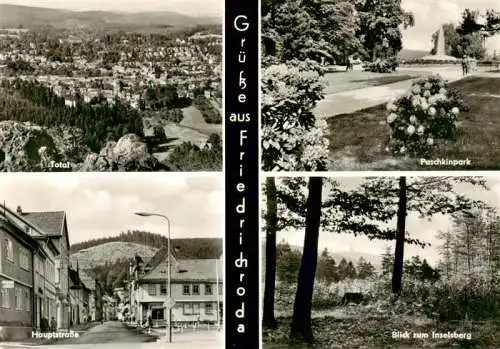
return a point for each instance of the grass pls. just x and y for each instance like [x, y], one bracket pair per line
[384, 80]
[358, 140]
[376, 333]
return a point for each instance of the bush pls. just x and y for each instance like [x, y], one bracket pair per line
[428, 111]
[292, 138]
[429, 61]
[388, 65]
[459, 300]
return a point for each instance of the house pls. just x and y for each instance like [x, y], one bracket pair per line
[79, 297]
[16, 278]
[90, 284]
[196, 286]
[54, 226]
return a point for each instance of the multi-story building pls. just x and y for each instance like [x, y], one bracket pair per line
[196, 286]
[53, 225]
[79, 298]
[16, 278]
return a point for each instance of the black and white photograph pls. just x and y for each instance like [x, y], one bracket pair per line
[381, 262]
[119, 85]
[96, 260]
[380, 85]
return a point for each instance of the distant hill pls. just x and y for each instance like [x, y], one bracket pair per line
[15, 16]
[110, 252]
[412, 54]
[189, 248]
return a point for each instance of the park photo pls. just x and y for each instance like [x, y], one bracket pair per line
[380, 85]
[381, 262]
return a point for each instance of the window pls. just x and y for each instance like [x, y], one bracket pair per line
[188, 309]
[208, 289]
[19, 300]
[27, 300]
[196, 308]
[163, 289]
[5, 298]
[186, 289]
[8, 249]
[24, 259]
[209, 308]
[196, 289]
[152, 289]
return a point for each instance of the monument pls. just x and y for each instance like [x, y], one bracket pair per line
[440, 54]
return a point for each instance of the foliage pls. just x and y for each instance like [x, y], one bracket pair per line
[189, 157]
[38, 104]
[292, 138]
[427, 112]
[387, 65]
[309, 29]
[380, 24]
[209, 112]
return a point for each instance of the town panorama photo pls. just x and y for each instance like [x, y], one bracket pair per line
[110, 85]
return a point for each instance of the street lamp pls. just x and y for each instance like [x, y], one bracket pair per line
[168, 329]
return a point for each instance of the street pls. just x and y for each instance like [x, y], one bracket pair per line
[107, 335]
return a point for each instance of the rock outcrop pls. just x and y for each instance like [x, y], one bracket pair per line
[129, 154]
[27, 147]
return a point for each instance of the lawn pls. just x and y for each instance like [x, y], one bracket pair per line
[376, 333]
[358, 140]
[355, 80]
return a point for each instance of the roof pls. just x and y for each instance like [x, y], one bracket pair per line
[87, 280]
[188, 270]
[51, 223]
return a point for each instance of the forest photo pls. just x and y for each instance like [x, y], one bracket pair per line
[381, 262]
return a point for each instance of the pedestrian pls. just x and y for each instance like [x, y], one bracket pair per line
[348, 64]
[464, 65]
[53, 325]
[150, 321]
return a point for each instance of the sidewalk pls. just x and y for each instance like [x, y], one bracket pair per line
[351, 101]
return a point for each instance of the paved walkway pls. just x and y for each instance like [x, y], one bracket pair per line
[351, 101]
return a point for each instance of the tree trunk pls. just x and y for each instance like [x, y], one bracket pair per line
[268, 319]
[397, 274]
[301, 320]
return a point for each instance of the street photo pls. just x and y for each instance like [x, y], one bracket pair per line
[380, 85]
[96, 260]
[381, 262]
[100, 86]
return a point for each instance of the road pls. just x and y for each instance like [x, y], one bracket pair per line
[112, 335]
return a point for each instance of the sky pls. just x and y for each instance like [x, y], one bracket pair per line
[421, 228]
[187, 7]
[430, 14]
[103, 204]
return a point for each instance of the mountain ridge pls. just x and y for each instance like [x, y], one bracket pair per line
[29, 16]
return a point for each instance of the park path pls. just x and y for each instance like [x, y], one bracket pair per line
[353, 100]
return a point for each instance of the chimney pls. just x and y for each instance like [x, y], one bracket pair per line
[19, 210]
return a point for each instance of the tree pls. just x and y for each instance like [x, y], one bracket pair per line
[364, 269]
[271, 218]
[288, 263]
[387, 261]
[327, 270]
[427, 196]
[301, 319]
[380, 26]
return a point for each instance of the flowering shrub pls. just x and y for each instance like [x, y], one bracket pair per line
[292, 138]
[382, 65]
[429, 111]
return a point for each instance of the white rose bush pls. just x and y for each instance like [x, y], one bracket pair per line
[428, 112]
[292, 138]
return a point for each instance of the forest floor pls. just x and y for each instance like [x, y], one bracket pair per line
[361, 332]
[358, 139]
